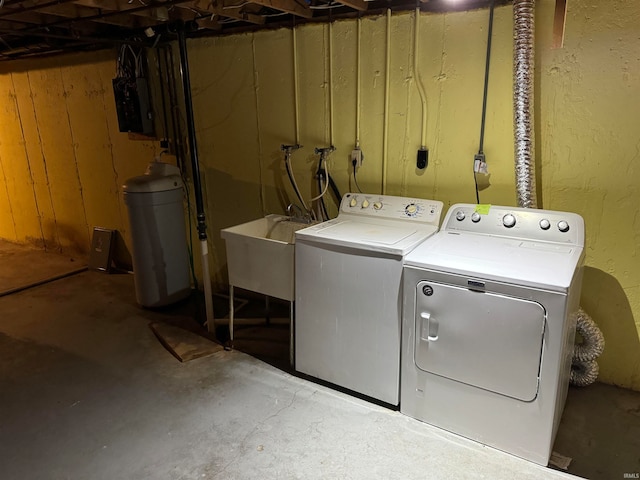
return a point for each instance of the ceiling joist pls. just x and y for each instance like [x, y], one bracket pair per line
[28, 26]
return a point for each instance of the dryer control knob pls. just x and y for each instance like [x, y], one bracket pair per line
[509, 220]
[353, 202]
[545, 224]
[460, 215]
[365, 203]
[475, 217]
[377, 205]
[411, 209]
[563, 226]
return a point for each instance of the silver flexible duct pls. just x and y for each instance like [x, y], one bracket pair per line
[523, 67]
[584, 373]
[584, 368]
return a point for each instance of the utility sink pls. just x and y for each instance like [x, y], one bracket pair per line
[260, 255]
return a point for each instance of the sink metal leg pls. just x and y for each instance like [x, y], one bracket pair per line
[231, 315]
[291, 336]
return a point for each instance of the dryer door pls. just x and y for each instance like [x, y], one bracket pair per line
[486, 340]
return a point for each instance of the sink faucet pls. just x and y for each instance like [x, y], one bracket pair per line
[296, 214]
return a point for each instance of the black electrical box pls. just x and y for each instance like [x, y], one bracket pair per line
[133, 105]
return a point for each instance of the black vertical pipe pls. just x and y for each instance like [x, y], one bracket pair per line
[193, 147]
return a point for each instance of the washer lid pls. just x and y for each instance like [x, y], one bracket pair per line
[535, 264]
[395, 239]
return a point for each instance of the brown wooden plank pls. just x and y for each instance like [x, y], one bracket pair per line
[159, 14]
[183, 344]
[237, 13]
[559, 20]
[72, 10]
[357, 4]
[289, 6]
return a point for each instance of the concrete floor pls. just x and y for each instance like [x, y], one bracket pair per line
[88, 392]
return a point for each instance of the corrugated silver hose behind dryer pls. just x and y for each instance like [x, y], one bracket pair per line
[523, 68]
[584, 368]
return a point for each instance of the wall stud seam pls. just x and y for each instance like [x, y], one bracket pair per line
[44, 163]
[6, 186]
[75, 159]
[258, 130]
[113, 164]
[26, 154]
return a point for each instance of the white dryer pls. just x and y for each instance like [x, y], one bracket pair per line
[489, 325]
[348, 303]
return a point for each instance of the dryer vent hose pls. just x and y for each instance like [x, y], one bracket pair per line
[584, 368]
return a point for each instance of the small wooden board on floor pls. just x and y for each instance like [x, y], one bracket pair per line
[183, 344]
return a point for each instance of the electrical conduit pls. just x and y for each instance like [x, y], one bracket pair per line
[416, 75]
[385, 134]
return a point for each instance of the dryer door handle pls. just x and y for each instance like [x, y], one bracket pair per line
[428, 328]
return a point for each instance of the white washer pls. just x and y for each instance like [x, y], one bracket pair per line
[347, 287]
[489, 325]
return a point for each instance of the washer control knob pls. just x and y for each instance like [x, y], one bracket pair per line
[563, 226]
[509, 220]
[377, 205]
[475, 217]
[411, 209]
[353, 202]
[460, 215]
[365, 203]
[545, 224]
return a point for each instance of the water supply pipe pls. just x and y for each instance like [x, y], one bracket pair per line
[197, 185]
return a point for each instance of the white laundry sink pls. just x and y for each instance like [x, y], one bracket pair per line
[260, 255]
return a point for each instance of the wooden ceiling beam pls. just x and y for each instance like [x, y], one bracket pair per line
[159, 14]
[208, 23]
[360, 5]
[236, 13]
[289, 6]
[70, 10]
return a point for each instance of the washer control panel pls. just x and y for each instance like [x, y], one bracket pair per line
[514, 222]
[418, 210]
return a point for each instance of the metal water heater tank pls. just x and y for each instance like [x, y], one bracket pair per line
[159, 243]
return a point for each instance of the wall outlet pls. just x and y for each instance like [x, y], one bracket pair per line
[357, 157]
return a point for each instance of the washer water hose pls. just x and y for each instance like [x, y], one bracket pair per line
[584, 368]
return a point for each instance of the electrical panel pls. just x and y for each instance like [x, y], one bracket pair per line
[133, 105]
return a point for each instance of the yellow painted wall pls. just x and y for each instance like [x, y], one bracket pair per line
[62, 159]
[589, 145]
[587, 108]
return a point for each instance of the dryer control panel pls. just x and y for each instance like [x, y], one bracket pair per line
[391, 207]
[513, 222]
